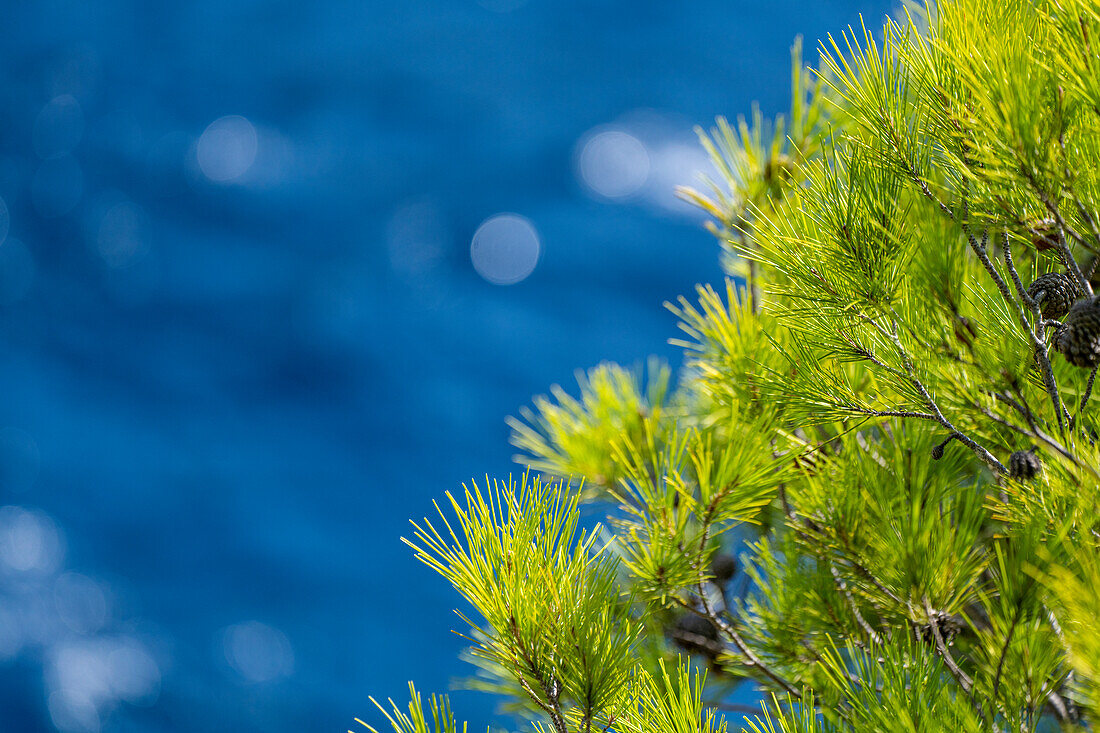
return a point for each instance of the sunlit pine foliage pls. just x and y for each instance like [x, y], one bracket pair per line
[872, 495]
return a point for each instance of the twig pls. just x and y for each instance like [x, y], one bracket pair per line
[551, 688]
[714, 618]
[914, 174]
[753, 660]
[1066, 710]
[965, 681]
[1033, 433]
[712, 647]
[893, 413]
[936, 414]
[1063, 230]
[1068, 183]
[868, 575]
[1038, 343]
[1059, 705]
[1015, 275]
[874, 635]
[1084, 399]
[979, 450]
[980, 250]
[1038, 339]
[553, 692]
[937, 449]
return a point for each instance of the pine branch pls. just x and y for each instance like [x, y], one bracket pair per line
[853, 607]
[966, 682]
[1037, 343]
[978, 450]
[989, 115]
[752, 659]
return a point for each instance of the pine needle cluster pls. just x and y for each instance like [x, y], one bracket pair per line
[874, 491]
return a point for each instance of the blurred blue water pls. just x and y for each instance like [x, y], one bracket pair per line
[242, 340]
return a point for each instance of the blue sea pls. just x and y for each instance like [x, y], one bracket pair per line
[272, 275]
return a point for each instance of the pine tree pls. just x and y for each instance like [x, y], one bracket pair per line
[885, 413]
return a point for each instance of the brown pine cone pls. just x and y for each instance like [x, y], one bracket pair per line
[723, 567]
[696, 635]
[937, 450]
[1024, 464]
[1060, 291]
[948, 626]
[1079, 337]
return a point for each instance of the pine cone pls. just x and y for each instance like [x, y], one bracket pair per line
[1060, 292]
[723, 567]
[1079, 337]
[696, 635]
[937, 450]
[1024, 464]
[1044, 233]
[948, 625]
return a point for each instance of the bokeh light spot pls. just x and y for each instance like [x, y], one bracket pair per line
[29, 541]
[677, 163]
[35, 615]
[505, 249]
[87, 678]
[81, 603]
[612, 163]
[227, 148]
[58, 127]
[11, 638]
[73, 713]
[258, 652]
[79, 671]
[133, 674]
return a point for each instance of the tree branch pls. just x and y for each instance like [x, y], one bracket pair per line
[752, 659]
[979, 450]
[979, 249]
[966, 682]
[843, 587]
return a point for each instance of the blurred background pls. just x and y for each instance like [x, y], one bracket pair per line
[272, 275]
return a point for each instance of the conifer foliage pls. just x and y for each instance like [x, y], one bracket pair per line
[884, 414]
